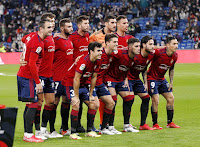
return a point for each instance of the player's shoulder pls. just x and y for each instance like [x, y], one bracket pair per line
[48, 38]
[99, 32]
[129, 36]
[160, 51]
[175, 55]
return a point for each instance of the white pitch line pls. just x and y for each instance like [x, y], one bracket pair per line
[2, 74]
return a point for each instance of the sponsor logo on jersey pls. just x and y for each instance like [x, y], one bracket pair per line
[123, 68]
[83, 48]
[164, 66]
[104, 66]
[69, 52]
[82, 67]
[51, 48]
[139, 67]
[121, 47]
[87, 75]
[39, 49]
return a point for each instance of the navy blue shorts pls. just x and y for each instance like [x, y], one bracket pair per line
[158, 87]
[26, 90]
[136, 86]
[117, 85]
[102, 90]
[48, 84]
[83, 92]
[59, 89]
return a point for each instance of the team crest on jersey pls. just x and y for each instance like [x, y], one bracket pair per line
[172, 61]
[38, 50]
[82, 67]
[95, 66]
[87, 39]
[110, 60]
[115, 51]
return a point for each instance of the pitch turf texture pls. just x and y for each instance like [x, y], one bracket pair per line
[187, 101]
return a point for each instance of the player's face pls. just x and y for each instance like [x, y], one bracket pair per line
[48, 28]
[84, 26]
[97, 53]
[173, 45]
[52, 20]
[123, 25]
[113, 44]
[135, 48]
[111, 24]
[149, 46]
[68, 29]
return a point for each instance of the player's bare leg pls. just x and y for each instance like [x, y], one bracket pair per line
[128, 100]
[154, 111]
[144, 111]
[170, 109]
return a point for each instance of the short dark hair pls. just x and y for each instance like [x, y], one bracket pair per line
[145, 39]
[92, 46]
[120, 17]
[81, 18]
[46, 15]
[109, 36]
[108, 17]
[133, 40]
[42, 23]
[63, 21]
[169, 39]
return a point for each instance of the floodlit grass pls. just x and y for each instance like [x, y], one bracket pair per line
[187, 101]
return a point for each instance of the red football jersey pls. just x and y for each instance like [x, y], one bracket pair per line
[119, 66]
[86, 68]
[160, 64]
[123, 41]
[104, 65]
[80, 44]
[47, 61]
[63, 58]
[33, 53]
[139, 65]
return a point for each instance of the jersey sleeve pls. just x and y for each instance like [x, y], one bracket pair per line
[92, 38]
[33, 67]
[81, 65]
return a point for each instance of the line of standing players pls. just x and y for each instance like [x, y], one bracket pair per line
[94, 70]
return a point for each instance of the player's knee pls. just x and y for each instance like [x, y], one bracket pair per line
[155, 101]
[40, 102]
[76, 106]
[92, 105]
[170, 100]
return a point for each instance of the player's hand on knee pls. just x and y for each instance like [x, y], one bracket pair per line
[74, 100]
[145, 87]
[39, 88]
[92, 98]
[126, 85]
[170, 87]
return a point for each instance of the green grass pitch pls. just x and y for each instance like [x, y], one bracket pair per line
[187, 115]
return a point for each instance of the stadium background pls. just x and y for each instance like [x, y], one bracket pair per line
[174, 17]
